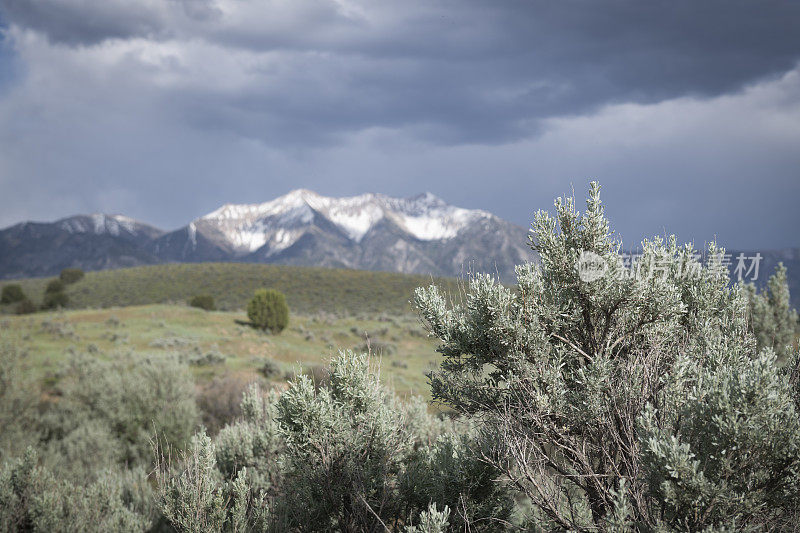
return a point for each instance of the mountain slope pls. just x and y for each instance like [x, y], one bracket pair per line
[91, 242]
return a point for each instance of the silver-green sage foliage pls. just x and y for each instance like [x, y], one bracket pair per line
[618, 399]
[348, 456]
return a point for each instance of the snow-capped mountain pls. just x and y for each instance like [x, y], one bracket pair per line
[422, 234]
[279, 223]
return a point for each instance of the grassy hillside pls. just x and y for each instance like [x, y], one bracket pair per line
[215, 344]
[307, 289]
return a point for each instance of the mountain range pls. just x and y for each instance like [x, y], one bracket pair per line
[421, 235]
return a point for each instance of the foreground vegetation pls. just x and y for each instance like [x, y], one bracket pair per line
[308, 290]
[659, 399]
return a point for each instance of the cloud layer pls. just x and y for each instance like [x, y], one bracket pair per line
[164, 109]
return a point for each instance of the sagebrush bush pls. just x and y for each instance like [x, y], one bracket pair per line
[626, 399]
[120, 406]
[348, 456]
[268, 310]
[269, 369]
[19, 399]
[774, 322]
[453, 473]
[253, 442]
[32, 499]
[731, 452]
[193, 498]
[87, 450]
[355, 455]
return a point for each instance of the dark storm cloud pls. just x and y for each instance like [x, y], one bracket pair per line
[85, 22]
[455, 71]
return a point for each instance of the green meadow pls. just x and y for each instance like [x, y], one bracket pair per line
[218, 344]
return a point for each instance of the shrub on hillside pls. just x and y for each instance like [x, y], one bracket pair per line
[203, 301]
[54, 295]
[254, 441]
[192, 497]
[12, 294]
[356, 458]
[268, 310]
[269, 369]
[53, 286]
[71, 275]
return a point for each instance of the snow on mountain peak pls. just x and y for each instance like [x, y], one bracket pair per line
[99, 223]
[279, 222]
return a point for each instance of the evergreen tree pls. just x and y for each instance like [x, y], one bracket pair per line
[54, 286]
[54, 300]
[54, 295]
[268, 310]
[12, 294]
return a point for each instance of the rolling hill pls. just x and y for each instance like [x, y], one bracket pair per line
[308, 289]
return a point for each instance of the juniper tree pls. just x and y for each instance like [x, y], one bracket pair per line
[268, 310]
[617, 398]
[12, 293]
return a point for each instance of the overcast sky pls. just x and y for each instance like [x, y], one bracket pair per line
[687, 112]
